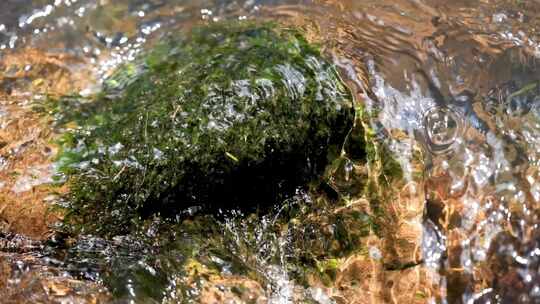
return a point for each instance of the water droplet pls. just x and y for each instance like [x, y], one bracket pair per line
[443, 127]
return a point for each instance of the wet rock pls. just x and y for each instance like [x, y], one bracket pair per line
[24, 171]
[24, 279]
[37, 71]
[362, 280]
[35, 176]
[233, 291]
[233, 115]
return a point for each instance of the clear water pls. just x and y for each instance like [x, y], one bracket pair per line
[453, 91]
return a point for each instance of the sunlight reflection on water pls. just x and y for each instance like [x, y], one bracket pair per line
[411, 63]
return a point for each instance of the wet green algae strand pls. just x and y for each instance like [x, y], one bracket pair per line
[229, 115]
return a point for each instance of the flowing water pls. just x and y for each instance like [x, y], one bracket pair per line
[451, 89]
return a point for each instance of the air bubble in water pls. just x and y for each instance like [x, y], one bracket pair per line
[443, 127]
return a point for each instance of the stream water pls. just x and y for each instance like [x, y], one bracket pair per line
[451, 89]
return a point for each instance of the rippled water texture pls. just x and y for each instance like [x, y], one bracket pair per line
[451, 89]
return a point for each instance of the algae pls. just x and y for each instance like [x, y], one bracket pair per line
[231, 114]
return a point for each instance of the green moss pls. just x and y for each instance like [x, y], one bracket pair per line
[328, 270]
[227, 115]
[230, 114]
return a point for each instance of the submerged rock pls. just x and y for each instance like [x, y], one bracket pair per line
[231, 115]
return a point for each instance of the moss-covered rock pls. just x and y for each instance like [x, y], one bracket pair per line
[228, 115]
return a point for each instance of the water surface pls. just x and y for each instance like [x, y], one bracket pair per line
[452, 91]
